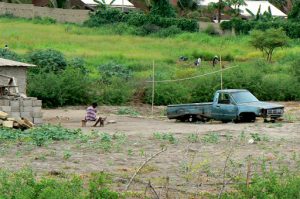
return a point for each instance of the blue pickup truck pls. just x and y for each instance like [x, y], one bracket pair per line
[236, 105]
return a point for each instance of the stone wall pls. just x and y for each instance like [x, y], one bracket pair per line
[30, 11]
[29, 108]
[19, 73]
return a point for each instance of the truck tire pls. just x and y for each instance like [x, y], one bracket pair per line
[247, 117]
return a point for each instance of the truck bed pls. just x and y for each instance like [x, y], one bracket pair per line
[180, 111]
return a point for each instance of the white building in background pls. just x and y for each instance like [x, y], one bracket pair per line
[115, 4]
[264, 6]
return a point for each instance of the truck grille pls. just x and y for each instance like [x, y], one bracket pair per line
[277, 111]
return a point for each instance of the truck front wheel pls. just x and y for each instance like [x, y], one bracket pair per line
[247, 117]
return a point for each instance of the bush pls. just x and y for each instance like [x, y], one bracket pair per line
[69, 87]
[8, 54]
[210, 29]
[48, 60]
[24, 184]
[105, 16]
[269, 184]
[111, 16]
[78, 63]
[113, 70]
[168, 32]
[116, 93]
[168, 93]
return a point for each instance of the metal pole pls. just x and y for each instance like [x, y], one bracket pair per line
[221, 72]
[153, 79]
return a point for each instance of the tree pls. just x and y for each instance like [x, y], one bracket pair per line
[295, 12]
[162, 8]
[236, 6]
[186, 5]
[267, 41]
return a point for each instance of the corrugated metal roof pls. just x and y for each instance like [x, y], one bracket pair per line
[7, 62]
[253, 6]
[116, 3]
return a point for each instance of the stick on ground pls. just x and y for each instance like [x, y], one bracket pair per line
[139, 169]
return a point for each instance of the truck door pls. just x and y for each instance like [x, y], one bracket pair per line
[224, 108]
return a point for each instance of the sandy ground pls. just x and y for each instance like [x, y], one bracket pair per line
[187, 166]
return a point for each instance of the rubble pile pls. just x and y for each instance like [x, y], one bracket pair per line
[18, 122]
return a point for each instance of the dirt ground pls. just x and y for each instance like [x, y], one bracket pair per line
[195, 154]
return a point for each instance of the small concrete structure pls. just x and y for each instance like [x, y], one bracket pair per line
[16, 104]
[17, 70]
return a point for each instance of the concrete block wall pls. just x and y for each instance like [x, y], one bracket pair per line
[31, 11]
[29, 108]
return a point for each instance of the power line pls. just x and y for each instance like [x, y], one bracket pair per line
[194, 77]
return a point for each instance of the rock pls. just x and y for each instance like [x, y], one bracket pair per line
[8, 124]
[3, 115]
[111, 122]
[250, 141]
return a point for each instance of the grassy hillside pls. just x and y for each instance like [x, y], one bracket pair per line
[99, 46]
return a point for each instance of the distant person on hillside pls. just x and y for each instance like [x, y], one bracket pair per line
[91, 115]
[198, 62]
[215, 60]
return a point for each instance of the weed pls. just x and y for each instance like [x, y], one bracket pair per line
[67, 155]
[212, 138]
[128, 111]
[257, 137]
[193, 138]
[106, 142]
[130, 152]
[165, 137]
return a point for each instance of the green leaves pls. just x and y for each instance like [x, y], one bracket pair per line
[267, 41]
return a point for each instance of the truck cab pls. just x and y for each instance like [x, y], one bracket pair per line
[241, 105]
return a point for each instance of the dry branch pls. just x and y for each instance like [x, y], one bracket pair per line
[139, 169]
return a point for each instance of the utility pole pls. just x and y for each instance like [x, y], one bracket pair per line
[219, 11]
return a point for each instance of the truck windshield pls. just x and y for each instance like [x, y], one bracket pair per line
[244, 97]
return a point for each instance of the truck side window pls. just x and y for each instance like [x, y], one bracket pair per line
[224, 98]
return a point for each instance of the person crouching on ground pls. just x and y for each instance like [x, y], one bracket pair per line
[91, 115]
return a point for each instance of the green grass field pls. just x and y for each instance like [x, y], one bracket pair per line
[98, 45]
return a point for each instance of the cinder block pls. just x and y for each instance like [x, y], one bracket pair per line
[15, 109]
[4, 102]
[37, 109]
[15, 114]
[27, 115]
[26, 109]
[15, 103]
[37, 114]
[26, 102]
[37, 120]
[6, 109]
[37, 103]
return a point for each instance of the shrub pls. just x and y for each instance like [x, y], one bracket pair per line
[296, 69]
[116, 93]
[79, 63]
[210, 29]
[47, 60]
[113, 70]
[98, 187]
[105, 16]
[69, 87]
[8, 54]
[43, 20]
[168, 32]
[139, 19]
[162, 8]
[168, 93]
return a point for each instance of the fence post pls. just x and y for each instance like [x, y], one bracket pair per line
[153, 84]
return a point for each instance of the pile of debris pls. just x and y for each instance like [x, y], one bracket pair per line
[17, 123]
